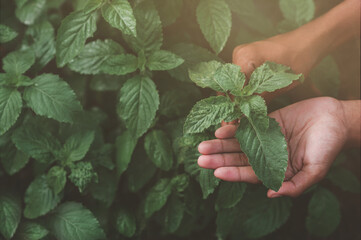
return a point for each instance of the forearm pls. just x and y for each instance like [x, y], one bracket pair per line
[352, 114]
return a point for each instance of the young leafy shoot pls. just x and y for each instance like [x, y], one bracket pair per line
[260, 137]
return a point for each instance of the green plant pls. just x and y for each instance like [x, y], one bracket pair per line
[93, 99]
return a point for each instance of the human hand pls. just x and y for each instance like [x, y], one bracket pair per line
[315, 130]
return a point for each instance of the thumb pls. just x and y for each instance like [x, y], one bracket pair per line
[298, 183]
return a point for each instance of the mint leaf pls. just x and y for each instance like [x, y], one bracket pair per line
[31, 231]
[91, 58]
[230, 78]
[77, 145]
[7, 33]
[162, 60]
[35, 141]
[10, 214]
[50, 96]
[208, 181]
[39, 198]
[120, 64]
[157, 197]
[28, 12]
[72, 34]
[104, 82]
[266, 151]
[10, 108]
[208, 112]
[138, 104]
[192, 55]
[149, 29]
[255, 109]
[40, 37]
[125, 145]
[139, 172]
[13, 160]
[215, 20]
[82, 174]
[159, 149]
[344, 179]
[298, 12]
[203, 75]
[229, 194]
[119, 14]
[18, 62]
[323, 213]
[270, 77]
[56, 179]
[106, 188]
[171, 216]
[73, 221]
[125, 222]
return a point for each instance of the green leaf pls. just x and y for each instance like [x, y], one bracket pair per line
[261, 215]
[19, 61]
[159, 149]
[119, 14]
[251, 16]
[104, 82]
[126, 222]
[28, 12]
[208, 181]
[93, 55]
[31, 231]
[125, 145]
[7, 33]
[172, 214]
[121, 64]
[230, 78]
[39, 198]
[192, 55]
[41, 39]
[208, 112]
[10, 108]
[139, 172]
[266, 151]
[162, 60]
[77, 145]
[10, 214]
[180, 182]
[215, 20]
[203, 75]
[56, 179]
[299, 12]
[169, 11]
[72, 34]
[270, 77]
[157, 197]
[35, 141]
[326, 77]
[255, 109]
[82, 174]
[106, 188]
[13, 160]
[138, 104]
[229, 194]
[344, 179]
[149, 29]
[73, 221]
[323, 213]
[52, 97]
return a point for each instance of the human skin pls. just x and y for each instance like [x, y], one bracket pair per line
[316, 130]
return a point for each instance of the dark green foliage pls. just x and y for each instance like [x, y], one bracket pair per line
[94, 95]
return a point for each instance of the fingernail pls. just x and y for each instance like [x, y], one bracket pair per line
[276, 195]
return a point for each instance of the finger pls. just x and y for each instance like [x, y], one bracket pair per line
[236, 174]
[297, 184]
[228, 131]
[222, 160]
[219, 146]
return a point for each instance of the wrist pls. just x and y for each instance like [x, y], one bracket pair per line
[352, 119]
